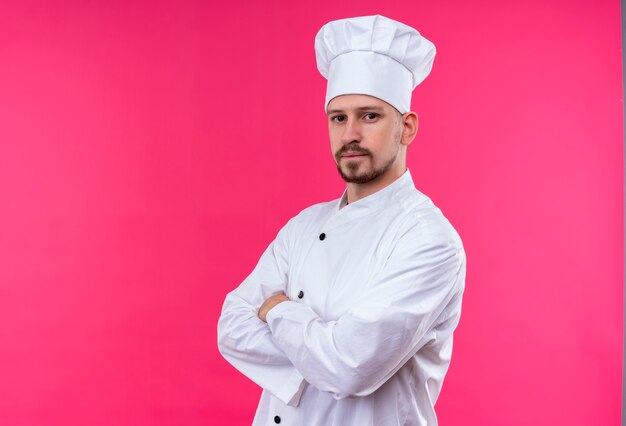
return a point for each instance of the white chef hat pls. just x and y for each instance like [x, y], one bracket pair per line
[373, 55]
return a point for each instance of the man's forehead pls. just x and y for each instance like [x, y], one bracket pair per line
[357, 103]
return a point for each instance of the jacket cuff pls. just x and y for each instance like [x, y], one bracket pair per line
[292, 389]
[278, 311]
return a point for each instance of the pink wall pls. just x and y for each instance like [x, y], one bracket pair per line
[149, 153]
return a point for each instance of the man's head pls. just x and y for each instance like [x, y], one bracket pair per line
[372, 64]
[368, 137]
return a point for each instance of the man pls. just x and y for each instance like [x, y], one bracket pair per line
[348, 317]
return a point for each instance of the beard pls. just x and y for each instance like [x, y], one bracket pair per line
[357, 171]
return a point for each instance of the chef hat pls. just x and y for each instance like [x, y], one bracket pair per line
[373, 55]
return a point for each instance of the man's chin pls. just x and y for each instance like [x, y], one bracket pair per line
[358, 176]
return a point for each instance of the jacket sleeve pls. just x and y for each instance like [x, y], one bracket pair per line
[245, 341]
[419, 287]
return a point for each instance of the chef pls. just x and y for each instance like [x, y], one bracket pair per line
[348, 317]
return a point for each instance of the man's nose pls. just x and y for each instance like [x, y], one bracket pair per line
[351, 132]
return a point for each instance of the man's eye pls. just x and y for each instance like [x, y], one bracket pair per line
[338, 118]
[371, 116]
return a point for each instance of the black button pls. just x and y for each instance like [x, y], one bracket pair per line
[276, 419]
[322, 236]
[301, 294]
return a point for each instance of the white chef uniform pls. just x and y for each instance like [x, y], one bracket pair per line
[375, 290]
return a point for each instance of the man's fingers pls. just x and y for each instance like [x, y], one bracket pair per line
[270, 303]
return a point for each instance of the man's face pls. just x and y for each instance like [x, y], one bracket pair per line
[365, 135]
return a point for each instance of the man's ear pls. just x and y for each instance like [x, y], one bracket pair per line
[410, 123]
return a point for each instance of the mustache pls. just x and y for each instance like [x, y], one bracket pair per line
[351, 149]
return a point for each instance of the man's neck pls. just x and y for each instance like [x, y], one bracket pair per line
[357, 191]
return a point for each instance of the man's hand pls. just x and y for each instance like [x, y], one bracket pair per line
[270, 303]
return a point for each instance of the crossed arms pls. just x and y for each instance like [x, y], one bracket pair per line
[417, 291]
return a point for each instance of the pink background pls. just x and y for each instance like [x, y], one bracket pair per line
[150, 152]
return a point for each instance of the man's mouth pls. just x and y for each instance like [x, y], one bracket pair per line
[353, 154]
